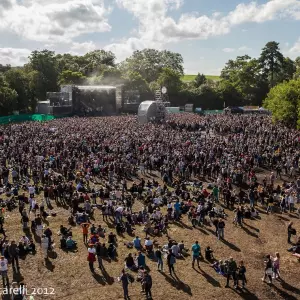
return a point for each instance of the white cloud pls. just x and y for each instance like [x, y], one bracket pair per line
[228, 50]
[244, 48]
[14, 56]
[82, 48]
[157, 28]
[55, 21]
[295, 49]
[58, 22]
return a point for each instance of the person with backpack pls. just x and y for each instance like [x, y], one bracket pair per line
[171, 260]
[125, 282]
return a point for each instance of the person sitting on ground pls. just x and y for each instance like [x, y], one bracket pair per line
[112, 238]
[209, 254]
[129, 263]
[31, 247]
[70, 243]
[137, 243]
[148, 245]
[101, 231]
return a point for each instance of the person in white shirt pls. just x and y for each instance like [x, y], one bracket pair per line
[45, 245]
[148, 245]
[291, 202]
[31, 191]
[3, 270]
[175, 250]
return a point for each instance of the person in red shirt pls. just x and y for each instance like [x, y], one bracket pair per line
[85, 231]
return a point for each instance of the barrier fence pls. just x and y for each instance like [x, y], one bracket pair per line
[24, 118]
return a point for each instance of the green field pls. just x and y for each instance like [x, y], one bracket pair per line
[187, 78]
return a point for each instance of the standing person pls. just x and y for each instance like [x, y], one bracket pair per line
[125, 281]
[196, 254]
[268, 269]
[98, 253]
[13, 251]
[291, 231]
[231, 272]
[91, 257]
[85, 231]
[221, 226]
[3, 270]
[45, 245]
[147, 285]
[241, 274]
[276, 264]
[171, 260]
[160, 264]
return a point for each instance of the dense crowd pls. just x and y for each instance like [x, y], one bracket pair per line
[189, 165]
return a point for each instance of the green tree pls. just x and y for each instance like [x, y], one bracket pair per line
[297, 65]
[111, 76]
[4, 68]
[271, 60]
[8, 97]
[283, 101]
[199, 80]
[150, 62]
[70, 77]
[18, 80]
[134, 81]
[171, 79]
[229, 95]
[46, 64]
[243, 77]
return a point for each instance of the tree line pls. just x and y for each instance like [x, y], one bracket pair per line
[243, 81]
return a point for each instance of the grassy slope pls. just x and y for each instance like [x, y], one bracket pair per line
[187, 78]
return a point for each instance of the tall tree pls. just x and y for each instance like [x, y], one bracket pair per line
[297, 65]
[46, 64]
[171, 79]
[199, 80]
[18, 80]
[271, 60]
[150, 62]
[8, 97]
[284, 102]
[70, 77]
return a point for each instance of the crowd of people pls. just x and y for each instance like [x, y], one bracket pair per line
[146, 175]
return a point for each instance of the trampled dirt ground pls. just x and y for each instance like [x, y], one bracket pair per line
[69, 275]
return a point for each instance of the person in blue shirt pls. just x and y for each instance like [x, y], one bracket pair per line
[196, 253]
[141, 260]
[137, 243]
[177, 210]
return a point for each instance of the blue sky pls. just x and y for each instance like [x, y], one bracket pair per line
[206, 33]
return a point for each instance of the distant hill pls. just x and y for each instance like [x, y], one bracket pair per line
[187, 78]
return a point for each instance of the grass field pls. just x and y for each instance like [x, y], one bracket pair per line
[187, 78]
[68, 273]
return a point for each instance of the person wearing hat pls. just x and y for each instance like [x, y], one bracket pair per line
[3, 270]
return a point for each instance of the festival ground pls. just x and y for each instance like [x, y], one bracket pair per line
[69, 275]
